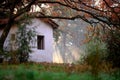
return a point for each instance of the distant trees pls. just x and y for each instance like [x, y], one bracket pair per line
[69, 39]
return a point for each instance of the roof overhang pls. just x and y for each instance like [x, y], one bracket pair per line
[50, 22]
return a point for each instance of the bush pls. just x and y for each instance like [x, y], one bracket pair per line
[95, 49]
[25, 36]
[95, 54]
[113, 42]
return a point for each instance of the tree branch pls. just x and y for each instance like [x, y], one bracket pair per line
[27, 8]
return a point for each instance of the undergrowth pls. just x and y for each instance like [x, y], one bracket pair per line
[51, 72]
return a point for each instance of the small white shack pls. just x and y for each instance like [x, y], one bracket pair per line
[43, 50]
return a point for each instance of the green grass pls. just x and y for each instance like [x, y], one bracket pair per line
[40, 72]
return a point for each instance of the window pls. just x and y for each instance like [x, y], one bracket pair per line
[13, 37]
[40, 42]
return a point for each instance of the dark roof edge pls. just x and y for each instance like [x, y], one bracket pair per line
[50, 22]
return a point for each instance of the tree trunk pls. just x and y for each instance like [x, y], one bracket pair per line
[5, 33]
[7, 28]
[8, 25]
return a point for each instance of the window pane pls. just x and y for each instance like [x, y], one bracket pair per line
[40, 42]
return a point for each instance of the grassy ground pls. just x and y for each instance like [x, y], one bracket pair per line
[45, 71]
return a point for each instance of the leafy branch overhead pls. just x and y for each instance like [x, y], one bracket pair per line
[92, 11]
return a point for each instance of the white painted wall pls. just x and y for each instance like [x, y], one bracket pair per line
[7, 41]
[47, 31]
